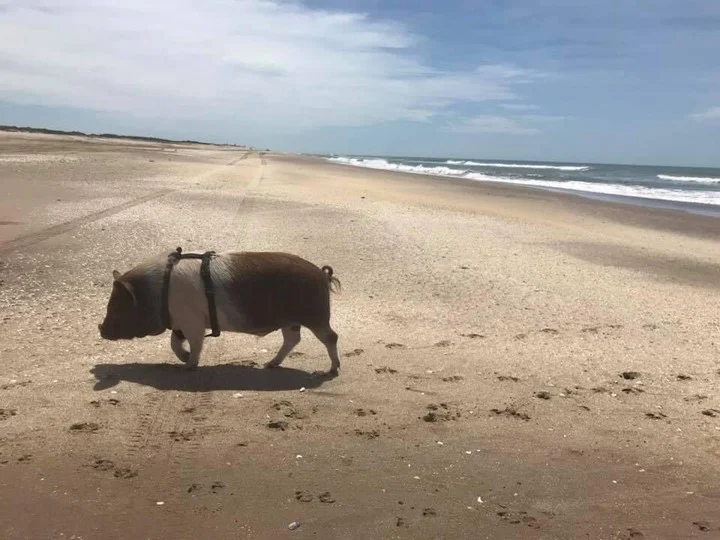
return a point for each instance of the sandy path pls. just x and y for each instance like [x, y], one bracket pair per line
[485, 331]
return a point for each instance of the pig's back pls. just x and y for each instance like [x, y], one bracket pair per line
[273, 289]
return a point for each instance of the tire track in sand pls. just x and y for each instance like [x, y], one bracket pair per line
[164, 446]
[62, 228]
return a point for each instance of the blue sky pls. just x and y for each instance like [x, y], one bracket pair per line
[601, 81]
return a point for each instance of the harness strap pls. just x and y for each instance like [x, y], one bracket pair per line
[207, 283]
[209, 292]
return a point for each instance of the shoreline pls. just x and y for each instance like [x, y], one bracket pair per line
[671, 216]
[697, 208]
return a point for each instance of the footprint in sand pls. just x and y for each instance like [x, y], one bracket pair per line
[181, 436]
[441, 413]
[511, 412]
[288, 410]
[519, 518]
[356, 352]
[443, 343]
[84, 427]
[125, 473]
[704, 526]
[369, 435]
[111, 401]
[118, 472]
[385, 369]
[217, 486]
[277, 424]
[394, 346]
[596, 329]
[103, 465]
[7, 413]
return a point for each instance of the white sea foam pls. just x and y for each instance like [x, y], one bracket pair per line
[704, 197]
[520, 165]
[387, 166]
[695, 179]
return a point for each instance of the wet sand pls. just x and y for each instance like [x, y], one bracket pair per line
[555, 357]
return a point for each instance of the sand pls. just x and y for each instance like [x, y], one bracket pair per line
[515, 363]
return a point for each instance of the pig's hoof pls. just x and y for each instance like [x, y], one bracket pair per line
[271, 365]
[190, 367]
[329, 374]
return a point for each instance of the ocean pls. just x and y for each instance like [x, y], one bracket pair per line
[696, 189]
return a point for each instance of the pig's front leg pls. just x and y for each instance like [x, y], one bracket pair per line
[176, 344]
[195, 339]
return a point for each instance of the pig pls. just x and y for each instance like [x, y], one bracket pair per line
[255, 293]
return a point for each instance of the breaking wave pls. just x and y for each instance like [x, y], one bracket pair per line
[696, 179]
[520, 165]
[402, 167]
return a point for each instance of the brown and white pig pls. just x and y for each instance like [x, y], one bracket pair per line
[255, 293]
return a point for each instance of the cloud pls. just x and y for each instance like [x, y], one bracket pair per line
[518, 106]
[266, 65]
[492, 124]
[713, 113]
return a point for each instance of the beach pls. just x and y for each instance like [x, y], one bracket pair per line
[516, 362]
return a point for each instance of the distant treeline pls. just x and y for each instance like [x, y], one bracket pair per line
[105, 135]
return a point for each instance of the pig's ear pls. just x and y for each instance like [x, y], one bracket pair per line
[126, 288]
[116, 275]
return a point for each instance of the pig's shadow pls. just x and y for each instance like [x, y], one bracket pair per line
[205, 378]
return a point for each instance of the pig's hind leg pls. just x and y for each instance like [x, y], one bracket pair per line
[291, 337]
[329, 338]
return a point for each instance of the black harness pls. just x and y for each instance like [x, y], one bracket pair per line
[207, 282]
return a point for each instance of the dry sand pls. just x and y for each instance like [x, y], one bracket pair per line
[484, 333]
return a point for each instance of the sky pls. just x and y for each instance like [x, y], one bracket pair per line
[604, 81]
